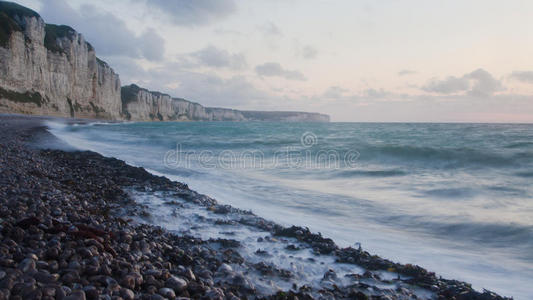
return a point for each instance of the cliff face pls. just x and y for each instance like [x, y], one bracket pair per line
[51, 70]
[139, 104]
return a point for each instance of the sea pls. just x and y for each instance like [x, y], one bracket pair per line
[456, 199]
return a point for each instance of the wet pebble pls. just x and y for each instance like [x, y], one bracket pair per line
[167, 293]
[27, 265]
[76, 295]
[68, 231]
[176, 283]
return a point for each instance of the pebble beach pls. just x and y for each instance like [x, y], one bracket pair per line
[70, 228]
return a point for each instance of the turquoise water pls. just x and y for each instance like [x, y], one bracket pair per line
[454, 198]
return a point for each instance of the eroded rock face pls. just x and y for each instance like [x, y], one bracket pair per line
[51, 70]
[139, 104]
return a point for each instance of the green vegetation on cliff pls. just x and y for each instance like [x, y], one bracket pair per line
[128, 93]
[11, 15]
[7, 26]
[99, 61]
[55, 32]
[11, 20]
[58, 39]
[15, 10]
[27, 97]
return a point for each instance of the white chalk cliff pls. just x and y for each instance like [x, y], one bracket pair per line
[50, 69]
[142, 105]
[60, 76]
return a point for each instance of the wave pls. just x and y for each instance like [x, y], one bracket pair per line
[414, 168]
[495, 235]
[56, 125]
[524, 156]
[519, 145]
[526, 174]
[369, 173]
[452, 157]
[509, 190]
[450, 192]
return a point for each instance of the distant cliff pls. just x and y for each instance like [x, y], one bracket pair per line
[50, 69]
[139, 104]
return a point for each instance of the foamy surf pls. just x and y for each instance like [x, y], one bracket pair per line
[425, 195]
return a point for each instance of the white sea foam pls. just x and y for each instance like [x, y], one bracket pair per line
[461, 200]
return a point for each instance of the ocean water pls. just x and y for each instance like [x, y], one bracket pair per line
[456, 199]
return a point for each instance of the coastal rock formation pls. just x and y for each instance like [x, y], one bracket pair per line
[139, 104]
[51, 70]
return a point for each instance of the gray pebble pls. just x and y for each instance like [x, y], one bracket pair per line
[176, 283]
[167, 293]
[76, 295]
[27, 265]
[127, 294]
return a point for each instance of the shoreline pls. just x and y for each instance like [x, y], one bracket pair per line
[67, 220]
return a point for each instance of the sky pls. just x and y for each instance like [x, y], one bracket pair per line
[358, 61]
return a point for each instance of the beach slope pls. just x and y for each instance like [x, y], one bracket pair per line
[71, 228]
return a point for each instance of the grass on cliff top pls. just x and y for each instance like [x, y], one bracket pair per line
[11, 15]
[54, 32]
[101, 62]
[7, 27]
[13, 9]
[128, 93]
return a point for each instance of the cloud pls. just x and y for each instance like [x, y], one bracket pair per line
[221, 31]
[334, 92]
[406, 72]
[107, 33]
[270, 28]
[205, 88]
[343, 94]
[225, 92]
[192, 12]
[129, 70]
[479, 83]
[309, 52]
[152, 45]
[218, 58]
[373, 104]
[524, 76]
[449, 85]
[375, 93]
[276, 70]
[484, 84]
